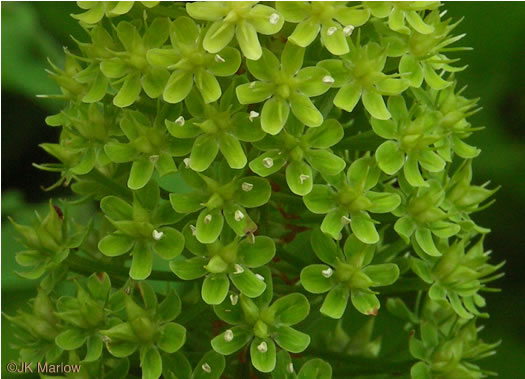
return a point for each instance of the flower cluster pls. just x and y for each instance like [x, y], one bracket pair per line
[253, 168]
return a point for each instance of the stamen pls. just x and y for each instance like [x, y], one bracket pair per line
[234, 299]
[207, 218]
[219, 59]
[262, 347]
[348, 29]
[228, 335]
[247, 187]
[238, 215]
[268, 162]
[180, 120]
[303, 177]
[157, 235]
[331, 31]
[153, 158]
[345, 220]
[253, 115]
[206, 368]
[327, 273]
[186, 162]
[260, 277]
[238, 269]
[328, 79]
[274, 18]
[289, 368]
[193, 230]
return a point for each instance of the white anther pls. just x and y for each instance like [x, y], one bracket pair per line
[238, 216]
[251, 85]
[186, 162]
[106, 339]
[328, 79]
[303, 177]
[345, 220]
[348, 29]
[247, 187]
[250, 237]
[274, 18]
[193, 230]
[234, 299]
[180, 120]
[253, 115]
[262, 347]
[206, 368]
[327, 273]
[228, 335]
[331, 30]
[268, 162]
[260, 277]
[153, 158]
[289, 368]
[219, 59]
[238, 269]
[157, 235]
[207, 218]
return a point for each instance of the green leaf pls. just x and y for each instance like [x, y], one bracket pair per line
[141, 263]
[383, 274]
[226, 63]
[239, 220]
[325, 162]
[248, 41]
[121, 349]
[115, 245]
[425, 240]
[205, 149]
[184, 33]
[420, 371]
[263, 354]
[151, 363]
[189, 269]
[172, 337]
[317, 278]
[231, 340]
[334, 42]
[258, 253]
[410, 69]
[348, 96]
[375, 105]
[326, 135]
[187, 203]
[218, 36]
[215, 288]
[412, 173]
[290, 309]
[334, 304]
[332, 223]
[116, 209]
[405, 227]
[415, 20]
[260, 16]
[364, 228]
[71, 339]
[324, 247]
[170, 307]
[383, 202]
[232, 150]
[274, 115]
[208, 11]
[209, 225]
[230, 310]
[246, 128]
[291, 340]
[305, 110]
[211, 366]
[129, 92]
[315, 369]
[154, 81]
[433, 79]
[140, 173]
[248, 283]
[177, 367]
[170, 244]
[430, 161]
[299, 177]
[320, 200]
[208, 86]
[94, 348]
[120, 152]
[178, 87]
[284, 366]
[389, 157]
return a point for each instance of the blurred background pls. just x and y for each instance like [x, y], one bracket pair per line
[32, 32]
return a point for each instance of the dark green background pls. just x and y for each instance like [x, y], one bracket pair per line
[496, 73]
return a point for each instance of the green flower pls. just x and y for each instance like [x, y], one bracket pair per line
[244, 19]
[215, 127]
[450, 354]
[285, 85]
[301, 151]
[149, 146]
[140, 228]
[36, 330]
[149, 329]
[352, 201]
[96, 10]
[421, 216]
[458, 277]
[222, 261]
[262, 325]
[191, 63]
[131, 68]
[410, 138]
[85, 315]
[224, 198]
[48, 242]
[335, 20]
[348, 274]
[359, 74]
[399, 12]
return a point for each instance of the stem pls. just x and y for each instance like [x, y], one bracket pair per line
[367, 141]
[113, 186]
[88, 267]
